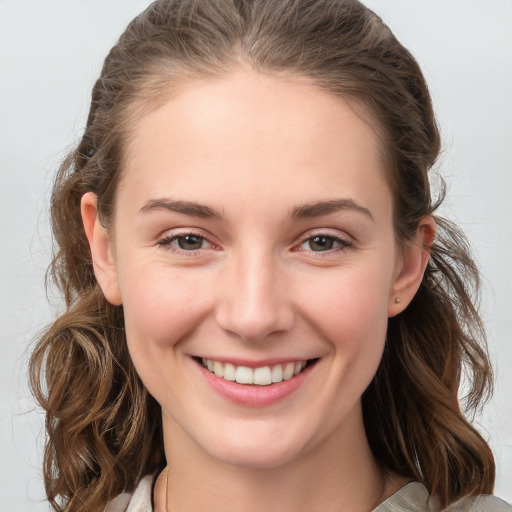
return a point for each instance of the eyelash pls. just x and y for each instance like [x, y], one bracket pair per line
[343, 243]
[166, 243]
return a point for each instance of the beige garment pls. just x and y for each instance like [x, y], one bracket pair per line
[412, 497]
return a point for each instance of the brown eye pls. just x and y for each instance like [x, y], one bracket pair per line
[321, 243]
[186, 243]
[324, 243]
[190, 242]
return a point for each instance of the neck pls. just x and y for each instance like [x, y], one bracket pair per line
[338, 474]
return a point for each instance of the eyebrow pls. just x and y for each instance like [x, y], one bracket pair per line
[185, 207]
[327, 207]
[306, 211]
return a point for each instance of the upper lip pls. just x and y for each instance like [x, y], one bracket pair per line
[255, 364]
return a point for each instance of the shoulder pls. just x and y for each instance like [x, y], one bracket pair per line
[481, 504]
[138, 501]
[413, 497]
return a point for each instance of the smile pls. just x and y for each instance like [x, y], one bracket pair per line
[262, 376]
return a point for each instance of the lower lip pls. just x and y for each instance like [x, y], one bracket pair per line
[253, 395]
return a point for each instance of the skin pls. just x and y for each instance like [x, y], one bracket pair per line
[254, 149]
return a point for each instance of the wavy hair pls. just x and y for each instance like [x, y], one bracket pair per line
[104, 429]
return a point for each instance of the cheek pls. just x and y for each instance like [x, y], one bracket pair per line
[161, 307]
[356, 326]
[349, 306]
[350, 313]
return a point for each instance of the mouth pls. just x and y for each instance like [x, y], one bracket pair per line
[260, 376]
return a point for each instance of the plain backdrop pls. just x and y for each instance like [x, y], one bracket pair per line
[50, 54]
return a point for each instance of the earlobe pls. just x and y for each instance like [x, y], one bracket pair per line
[101, 249]
[412, 267]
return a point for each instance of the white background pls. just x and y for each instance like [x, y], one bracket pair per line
[50, 55]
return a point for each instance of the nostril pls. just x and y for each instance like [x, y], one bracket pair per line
[251, 303]
[255, 324]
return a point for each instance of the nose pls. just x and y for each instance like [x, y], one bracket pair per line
[254, 302]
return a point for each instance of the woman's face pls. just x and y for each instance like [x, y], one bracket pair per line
[253, 235]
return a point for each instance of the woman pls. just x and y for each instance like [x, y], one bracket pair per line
[262, 307]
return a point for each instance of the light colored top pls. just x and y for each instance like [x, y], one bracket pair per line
[412, 497]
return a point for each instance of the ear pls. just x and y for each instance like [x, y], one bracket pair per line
[101, 249]
[411, 267]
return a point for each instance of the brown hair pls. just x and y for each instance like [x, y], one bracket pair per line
[103, 435]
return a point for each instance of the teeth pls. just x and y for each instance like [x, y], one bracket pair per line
[277, 373]
[244, 375]
[229, 371]
[263, 376]
[218, 369]
[288, 371]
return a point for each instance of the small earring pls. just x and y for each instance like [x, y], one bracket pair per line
[397, 300]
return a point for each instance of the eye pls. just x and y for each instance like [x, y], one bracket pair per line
[190, 242]
[185, 242]
[323, 243]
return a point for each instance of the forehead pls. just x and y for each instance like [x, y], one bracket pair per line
[255, 134]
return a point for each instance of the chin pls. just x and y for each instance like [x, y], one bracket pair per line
[256, 457]
[257, 448]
